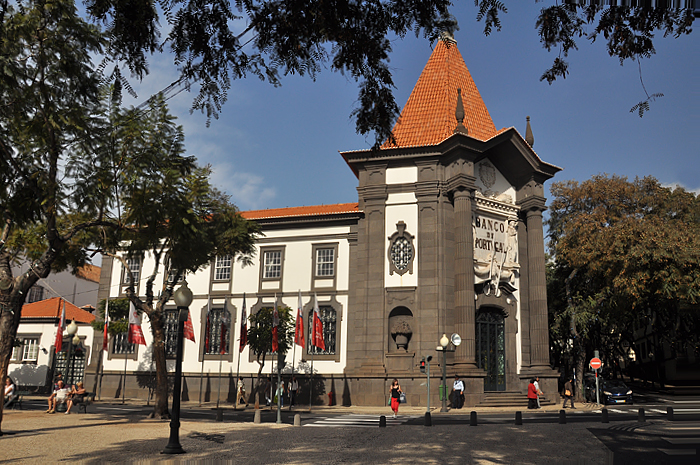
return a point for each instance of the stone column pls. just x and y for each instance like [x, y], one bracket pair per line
[539, 334]
[465, 358]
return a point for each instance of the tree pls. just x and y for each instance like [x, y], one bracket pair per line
[260, 338]
[78, 175]
[49, 94]
[623, 252]
[170, 211]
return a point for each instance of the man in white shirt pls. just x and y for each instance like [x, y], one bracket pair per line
[457, 393]
[537, 388]
[59, 396]
[293, 388]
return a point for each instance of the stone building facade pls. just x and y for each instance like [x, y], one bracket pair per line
[446, 238]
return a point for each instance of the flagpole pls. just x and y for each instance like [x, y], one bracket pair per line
[201, 374]
[124, 383]
[102, 352]
[311, 389]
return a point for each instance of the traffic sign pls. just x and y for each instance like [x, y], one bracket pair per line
[595, 363]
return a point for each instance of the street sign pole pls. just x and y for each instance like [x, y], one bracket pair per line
[596, 364]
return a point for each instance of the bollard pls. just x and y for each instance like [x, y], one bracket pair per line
[382, 421]
[472, 419]
[219, 415]
[640, 417]
[297, 420]
[604, 416]
[562, 417]
[257, 416]
[669, 413]
[518, 418]
[428, 419]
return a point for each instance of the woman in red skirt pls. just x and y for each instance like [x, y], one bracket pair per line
[395, 396]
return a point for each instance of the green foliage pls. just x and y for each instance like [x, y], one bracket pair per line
[260, 332]
[118, 316]
[624, 253]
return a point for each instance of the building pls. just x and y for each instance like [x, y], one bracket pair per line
[79, 288]
[34, 360]
[446, 237]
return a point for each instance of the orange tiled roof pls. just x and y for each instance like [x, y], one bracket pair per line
[52, 308]
[301, 211]
[429, 115]
[90, 272]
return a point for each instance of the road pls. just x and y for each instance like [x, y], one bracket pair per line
[625, 439]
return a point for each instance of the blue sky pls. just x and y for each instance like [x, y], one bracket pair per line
[278, 147]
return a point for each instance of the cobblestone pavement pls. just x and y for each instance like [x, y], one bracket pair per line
[32, 436]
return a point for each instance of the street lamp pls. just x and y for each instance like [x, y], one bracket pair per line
[443, 347]
[72, 330]
[183, 299]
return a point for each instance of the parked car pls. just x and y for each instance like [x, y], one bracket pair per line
[611, 391]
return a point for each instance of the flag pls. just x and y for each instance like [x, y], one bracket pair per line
[244, 327]
[317, 335]
[189, 329]
[224, 331]
[135, 335]
[299, 327]
[275, 324]
[61, 327]
[105, 336]
[207, 331]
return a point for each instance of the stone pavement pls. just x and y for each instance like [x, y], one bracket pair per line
[33, 436]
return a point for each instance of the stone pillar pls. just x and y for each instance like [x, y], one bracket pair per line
[539, 334]
[465, 358]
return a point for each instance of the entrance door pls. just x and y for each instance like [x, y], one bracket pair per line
[490, 349]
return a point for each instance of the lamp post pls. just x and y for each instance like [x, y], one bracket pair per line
[456, 340]
[183, 299]
[71, 329]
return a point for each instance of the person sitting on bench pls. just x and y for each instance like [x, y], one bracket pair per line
[59, 396]
[9, 391]
[77, 396]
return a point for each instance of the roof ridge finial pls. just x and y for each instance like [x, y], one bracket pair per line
[459, 114]
[448, 38]
[529, 138]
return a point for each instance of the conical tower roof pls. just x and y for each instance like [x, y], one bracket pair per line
[429, 115]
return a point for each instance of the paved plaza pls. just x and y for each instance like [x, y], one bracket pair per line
[32, 436]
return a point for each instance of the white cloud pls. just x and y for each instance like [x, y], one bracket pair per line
[674, 185]
[248, 191]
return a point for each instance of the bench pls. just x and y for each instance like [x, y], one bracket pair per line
[87, 400]
[16, 399]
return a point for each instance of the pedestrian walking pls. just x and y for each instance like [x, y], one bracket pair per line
[539, 392]
[531, 395]
[240, 397]
[457, 393]
[293, 388]
[395, 393]
[568, 393]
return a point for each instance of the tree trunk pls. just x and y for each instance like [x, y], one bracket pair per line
[160, 405]
[10, 314]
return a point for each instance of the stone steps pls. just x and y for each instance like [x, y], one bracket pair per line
[509, 399]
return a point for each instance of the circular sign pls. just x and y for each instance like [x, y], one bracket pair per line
[595, 363]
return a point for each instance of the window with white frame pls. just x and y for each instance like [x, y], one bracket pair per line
[36, 293]
[325, 262]
[222, 268]
[121, 345]
[28, 351]
[217, 334]
[272, 264]
[328, 317]
[134, 265]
